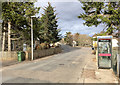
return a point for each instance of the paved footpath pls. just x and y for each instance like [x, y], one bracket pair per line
[91, 74]
[73, 65]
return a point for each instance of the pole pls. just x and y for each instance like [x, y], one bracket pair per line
[9, 39]
[0, 35]
[118, 53]
[1, 21]
[31, 39]
[0, 49]
[118, 65]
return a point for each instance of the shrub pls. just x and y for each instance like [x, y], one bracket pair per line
[38, 47]
[43, 45]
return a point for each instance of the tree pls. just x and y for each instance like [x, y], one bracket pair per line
[36, 28]
[76, 36]
[69, 38]
[100, 12]
[0, 37]
[0, 28]
[84, 40]
[49, 31]
[18, 15]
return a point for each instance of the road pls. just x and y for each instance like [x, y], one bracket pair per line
[66, 67]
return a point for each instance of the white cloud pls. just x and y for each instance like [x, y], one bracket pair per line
[68, 21]
[57, 0]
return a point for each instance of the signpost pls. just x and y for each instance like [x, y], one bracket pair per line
[104, 47]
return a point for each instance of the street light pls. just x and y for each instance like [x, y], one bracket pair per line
[32, 37]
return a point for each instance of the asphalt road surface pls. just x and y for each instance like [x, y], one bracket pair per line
[65, 67]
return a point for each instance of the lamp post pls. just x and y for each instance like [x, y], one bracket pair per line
[32, 37]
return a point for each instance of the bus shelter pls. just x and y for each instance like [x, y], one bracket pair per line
[104, 47]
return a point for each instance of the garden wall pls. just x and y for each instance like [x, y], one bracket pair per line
[45, 52]
[5, 55]
[37, 54]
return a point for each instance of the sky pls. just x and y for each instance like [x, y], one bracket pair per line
[68, 21]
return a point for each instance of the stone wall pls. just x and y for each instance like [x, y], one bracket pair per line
[37, 54]
[8, 55]
[45, 52]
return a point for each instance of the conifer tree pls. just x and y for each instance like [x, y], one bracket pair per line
[100, 12]
[49, 28]
[18, 14]
[69, 38]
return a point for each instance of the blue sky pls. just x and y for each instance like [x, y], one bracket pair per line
[67, 13]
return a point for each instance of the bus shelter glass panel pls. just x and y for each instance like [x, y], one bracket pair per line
[104, 53]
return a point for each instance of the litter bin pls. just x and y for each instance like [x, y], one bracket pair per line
[21, 56]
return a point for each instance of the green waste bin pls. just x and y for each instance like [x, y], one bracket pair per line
[21, 56]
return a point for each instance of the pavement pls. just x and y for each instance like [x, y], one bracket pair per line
[91, 74]
[9, 63]
[73, 65]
